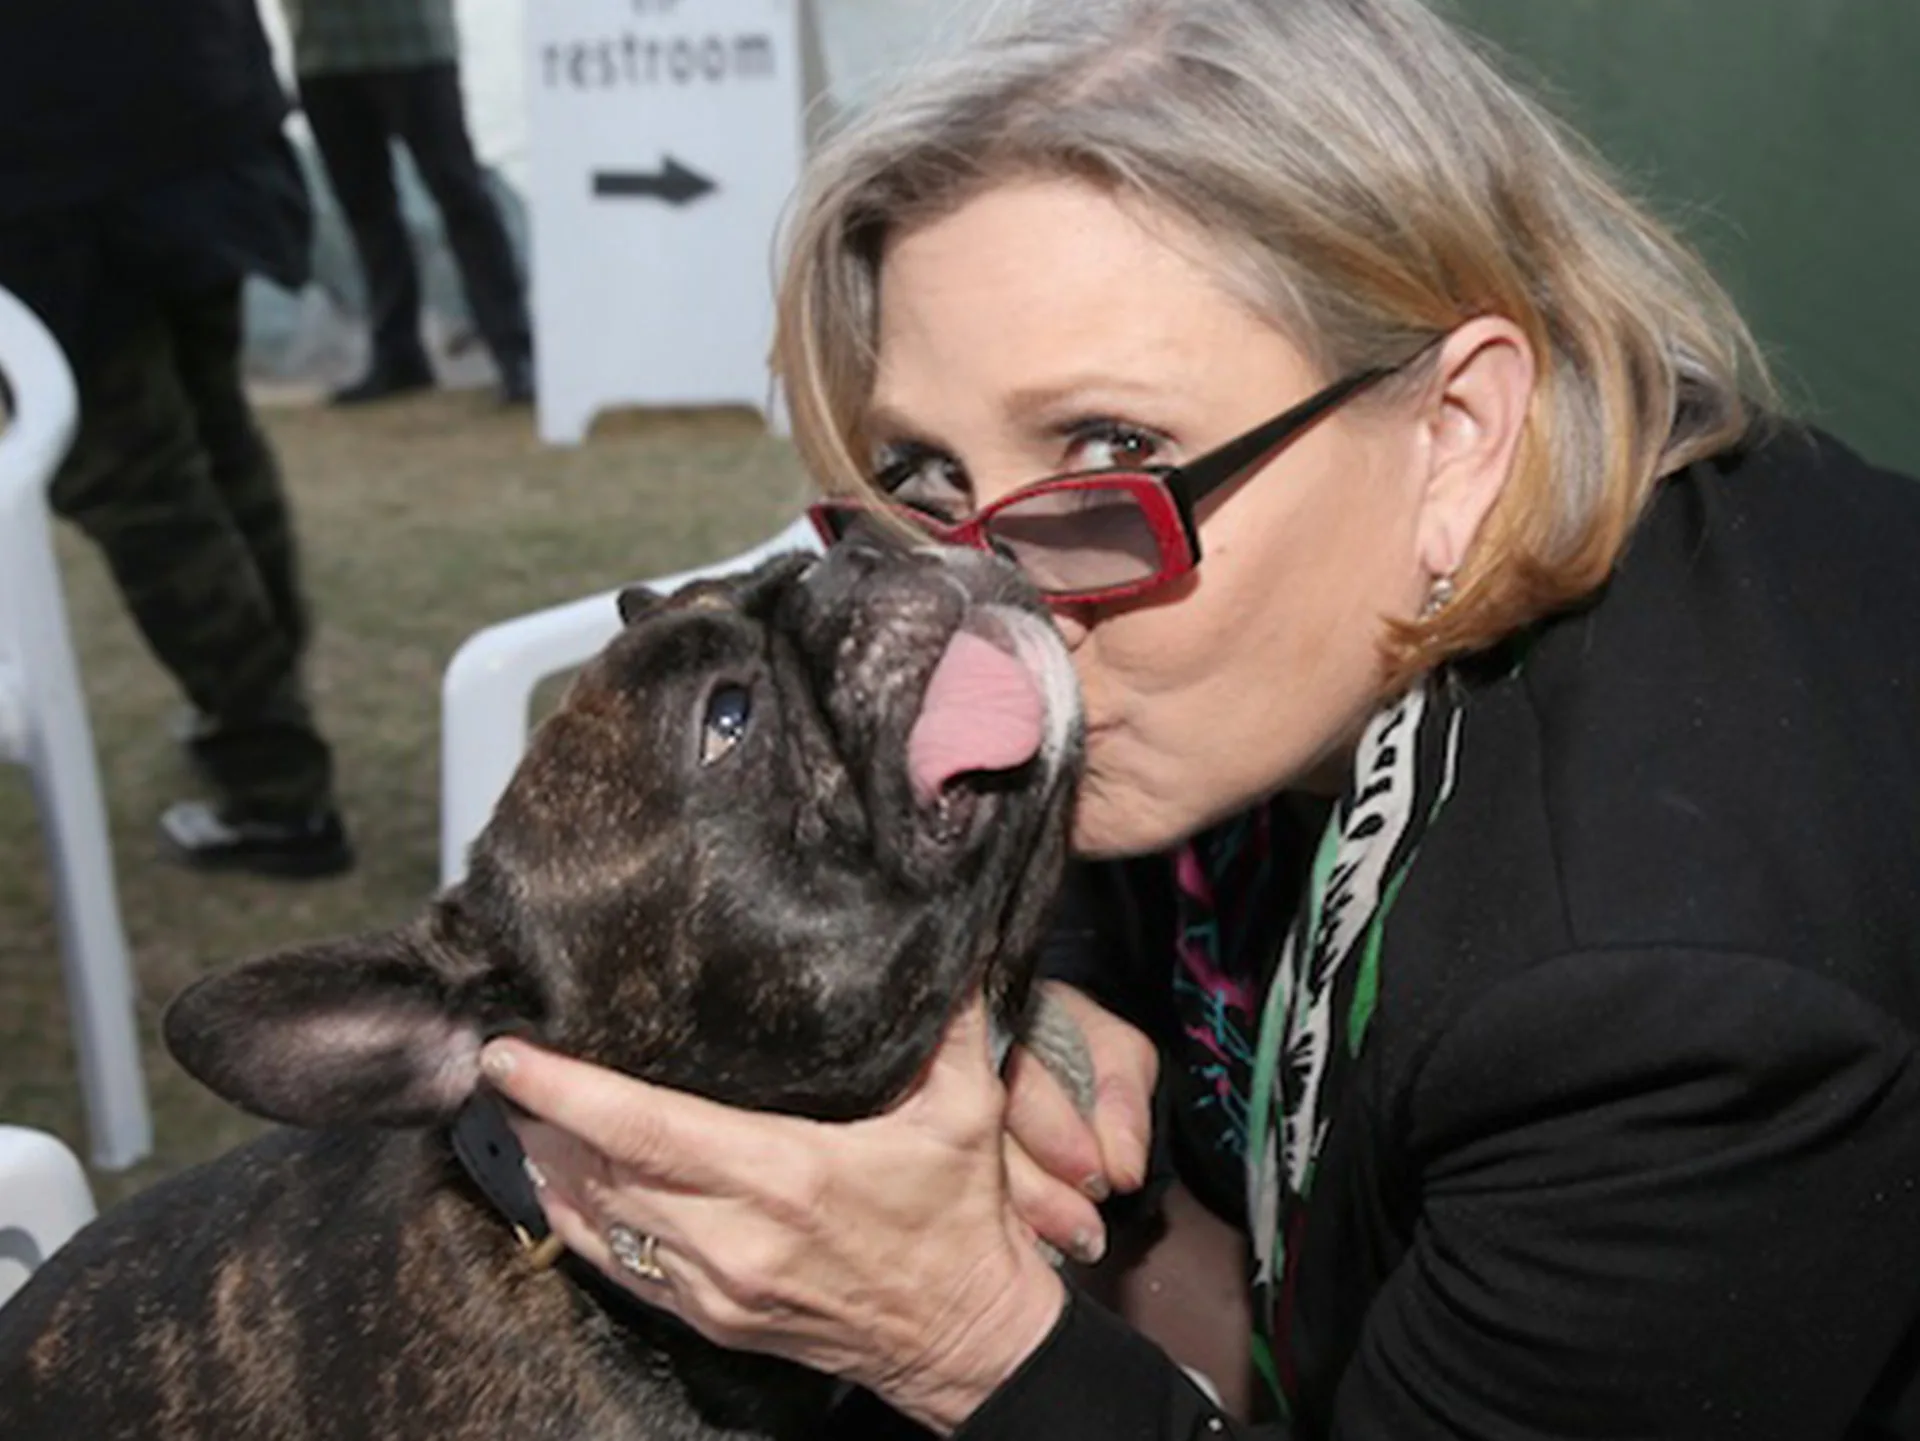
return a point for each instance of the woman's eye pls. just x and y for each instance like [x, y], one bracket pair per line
[1107, 445]
[729, 709]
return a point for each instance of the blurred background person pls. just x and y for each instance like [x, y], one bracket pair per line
[375, 71]
[143, 176]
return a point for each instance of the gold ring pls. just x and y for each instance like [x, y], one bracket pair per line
[635, 1251]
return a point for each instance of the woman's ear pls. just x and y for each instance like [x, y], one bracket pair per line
[1485, 383]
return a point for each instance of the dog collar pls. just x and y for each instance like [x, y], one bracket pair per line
[492, 1156]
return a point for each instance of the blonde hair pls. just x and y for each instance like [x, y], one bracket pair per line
[1369, 180]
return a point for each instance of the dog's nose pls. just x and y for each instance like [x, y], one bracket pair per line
[987, 578]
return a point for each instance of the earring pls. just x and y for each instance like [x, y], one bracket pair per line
[1438, 598]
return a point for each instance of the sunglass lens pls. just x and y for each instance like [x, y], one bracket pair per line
[1081, 538]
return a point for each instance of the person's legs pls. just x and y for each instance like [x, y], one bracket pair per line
[139, 482]
[352, 125]
[430, 116]
[208, 338]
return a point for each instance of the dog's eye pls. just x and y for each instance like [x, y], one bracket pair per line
[729, 709]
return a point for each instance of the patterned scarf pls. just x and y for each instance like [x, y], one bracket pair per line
[1321, 999]
[1228, 928]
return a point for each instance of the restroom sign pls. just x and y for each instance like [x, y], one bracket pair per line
[664, 140]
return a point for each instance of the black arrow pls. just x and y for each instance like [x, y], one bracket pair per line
[672, 182]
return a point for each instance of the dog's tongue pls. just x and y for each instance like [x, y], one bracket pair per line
[982, 712]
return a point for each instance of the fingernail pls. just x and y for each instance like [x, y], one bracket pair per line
[496, 1063]
[1095, 1187]
[1089, 1247]
[535, 1174]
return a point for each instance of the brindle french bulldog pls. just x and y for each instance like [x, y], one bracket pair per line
[771, 838]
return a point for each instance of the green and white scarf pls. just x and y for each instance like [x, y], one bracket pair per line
[1321, 1000]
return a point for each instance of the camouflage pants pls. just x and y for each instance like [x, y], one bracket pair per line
[171, 477]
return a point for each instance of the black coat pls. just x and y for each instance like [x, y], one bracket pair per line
[1633, 1145]
[102, 98]
[141, 150]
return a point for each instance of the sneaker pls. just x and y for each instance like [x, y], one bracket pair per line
[386, 382]
[204, 837]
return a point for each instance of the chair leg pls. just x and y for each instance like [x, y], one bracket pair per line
[47, 729]
[98, 973]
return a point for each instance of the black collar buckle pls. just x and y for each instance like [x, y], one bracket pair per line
[491, 1154]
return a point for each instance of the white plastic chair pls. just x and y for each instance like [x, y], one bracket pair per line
[43, 726]
[44, 1199]
[488, 689]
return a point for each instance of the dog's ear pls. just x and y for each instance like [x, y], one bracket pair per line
[348, 1033]
[636, 601]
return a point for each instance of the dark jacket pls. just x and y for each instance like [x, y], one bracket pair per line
[1633, 1145]
[101, 98]
[141, 153]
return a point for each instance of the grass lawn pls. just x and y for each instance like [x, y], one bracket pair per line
[422, 521]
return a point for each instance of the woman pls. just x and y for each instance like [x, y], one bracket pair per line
[1582, 1099]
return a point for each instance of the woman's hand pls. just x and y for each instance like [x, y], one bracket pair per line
[1058, 1162]
[884, 1251]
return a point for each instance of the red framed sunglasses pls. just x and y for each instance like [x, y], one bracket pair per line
[1112, 534]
